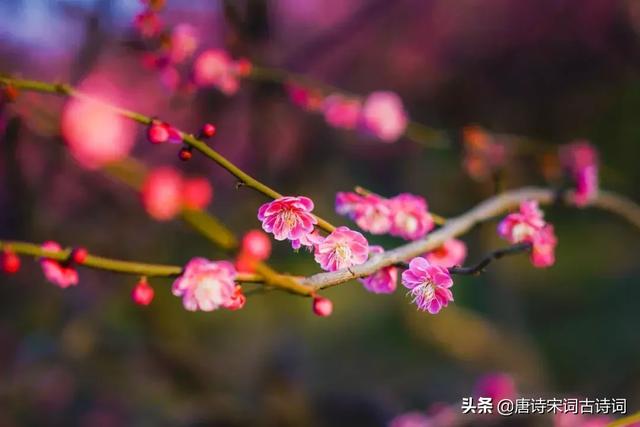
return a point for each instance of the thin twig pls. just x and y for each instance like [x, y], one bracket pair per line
[189, 139]
[518, 248]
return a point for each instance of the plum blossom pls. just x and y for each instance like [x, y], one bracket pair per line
[309, 241]
[215, 68]
[206, 285]
[497, 386]
[580, 158]
[183, 43]
[57, 272]
[237, 300]
[521, 226]
[428, 284]
[383, 281]
[528, 225]
[342, 248]
[483, 154]
[451, 253]
[196, 193]
[411, 219]
[256, 244]
[161, 193]
[308, 99]
[94, 134]
[288, 217]
[341, 112]
[371, 213]
[384, 116]
[543, 247]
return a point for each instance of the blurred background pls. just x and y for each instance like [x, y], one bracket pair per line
[551, 70]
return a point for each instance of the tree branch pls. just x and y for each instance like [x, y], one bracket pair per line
[463, 223]
[495, 255]
[109, 264]
[189, 139]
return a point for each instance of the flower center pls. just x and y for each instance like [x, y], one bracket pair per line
[521, 231]
[289, 218]
[343, 252]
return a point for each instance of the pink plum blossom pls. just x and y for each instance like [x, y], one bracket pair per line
[580, 158]
[196, 193]
[206, 285]
[94, 134]
[371, 213]
[383, 281]
[215, 68]
[342, 248]
[384, 116]
[256, 244]
[341, 112]
[451, 253]
[428, 284]
[237, 300]
[288, 217]
[411, 219]
[497, 386]
[483, 154]
[161, 193]
[183, 43]
[521, 226]
[308, 99]
[528, 225]
[57, 272]
[543, 247]
[411, 419]
[309, 241]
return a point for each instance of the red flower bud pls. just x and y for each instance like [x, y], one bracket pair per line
[142, 293]
[322, 307]
[208, 130]
[10, 262]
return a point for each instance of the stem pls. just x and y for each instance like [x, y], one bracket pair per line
[461, 224]
[67, 90]
[110, 264]
[495, 255]
[415, 131]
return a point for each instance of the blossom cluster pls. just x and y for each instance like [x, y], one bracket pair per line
[208, 285]
[380, 114]
[580, 159]
[404, 215]
[165, 192]
[528, 226]
[484, 156]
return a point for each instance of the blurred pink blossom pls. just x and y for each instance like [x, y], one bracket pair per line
[411, 419]
[580, 158]
[384, 116]
[183, 43]
[342, 248]
[452, 252]
[196, 193]
[497, 386]
[483, 155]
[215, 68]
[57, 272]
[206, 285]
[256, 244]
[520, 226]
[95, 134]
[161, 193]
[341, 112]
[544, 246]
[428, 284]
